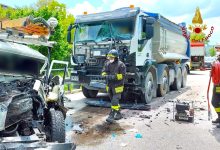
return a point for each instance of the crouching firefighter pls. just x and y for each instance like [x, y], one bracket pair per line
[114, 72]
[215, 74]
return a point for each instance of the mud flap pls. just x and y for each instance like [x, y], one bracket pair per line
[132, 106]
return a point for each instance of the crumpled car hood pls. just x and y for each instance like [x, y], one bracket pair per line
[18, 58]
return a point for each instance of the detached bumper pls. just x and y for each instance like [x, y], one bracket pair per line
[32, 143]
[35, 146]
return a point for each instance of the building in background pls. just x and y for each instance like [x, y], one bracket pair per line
[4, 6]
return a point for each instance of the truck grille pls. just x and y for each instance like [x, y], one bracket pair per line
[92, 62]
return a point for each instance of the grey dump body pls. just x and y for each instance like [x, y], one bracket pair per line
[152, 47]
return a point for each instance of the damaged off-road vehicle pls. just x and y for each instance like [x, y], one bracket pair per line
[32, 112]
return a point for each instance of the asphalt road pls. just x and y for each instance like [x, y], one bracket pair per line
[142, 130]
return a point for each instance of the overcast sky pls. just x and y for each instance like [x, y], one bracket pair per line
[176, 10]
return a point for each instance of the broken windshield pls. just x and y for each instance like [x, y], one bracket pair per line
[99, 31]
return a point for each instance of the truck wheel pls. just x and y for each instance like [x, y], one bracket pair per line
[177, 81]
[89, 93]
[55, 126]
[163, 88]
[184, 78]
[149, 87]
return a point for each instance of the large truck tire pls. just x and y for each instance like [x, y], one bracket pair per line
[184, 77]
[177, 81]
[164, 87]
[89, 93]
[149, 87]
[55, 126]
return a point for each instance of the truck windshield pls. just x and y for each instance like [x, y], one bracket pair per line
[96, 32]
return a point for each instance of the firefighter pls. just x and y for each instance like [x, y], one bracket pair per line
[114, 72]
[215, 73]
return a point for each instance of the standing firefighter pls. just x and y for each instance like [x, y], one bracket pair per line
[215, 74]
[114, 72]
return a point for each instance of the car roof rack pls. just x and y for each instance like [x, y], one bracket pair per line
[28, 31]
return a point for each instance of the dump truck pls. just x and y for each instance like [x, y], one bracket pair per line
[152, 47]
[197, 56]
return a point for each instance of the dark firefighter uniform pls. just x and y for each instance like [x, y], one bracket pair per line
[114, 71]
[215, 73]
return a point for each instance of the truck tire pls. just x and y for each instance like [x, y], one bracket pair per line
[164, 87]
[89, 93]
[177, 81]
[184, 78]
[149, 87]
[55, 126]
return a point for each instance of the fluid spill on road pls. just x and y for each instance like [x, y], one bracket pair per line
[96, 134]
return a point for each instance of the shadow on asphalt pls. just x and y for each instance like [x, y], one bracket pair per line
[216, 133]
[169, 97]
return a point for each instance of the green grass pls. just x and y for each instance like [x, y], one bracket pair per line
[66, 87]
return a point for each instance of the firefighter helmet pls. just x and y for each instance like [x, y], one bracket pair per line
[113, 53]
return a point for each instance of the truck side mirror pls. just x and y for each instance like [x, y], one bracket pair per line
[149, 27]
[149, 31]
[69, 37]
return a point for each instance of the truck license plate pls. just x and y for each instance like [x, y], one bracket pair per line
[75, 78]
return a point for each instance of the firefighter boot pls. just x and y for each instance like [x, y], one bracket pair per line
[118, 115]
[217, 120]
[110, 118]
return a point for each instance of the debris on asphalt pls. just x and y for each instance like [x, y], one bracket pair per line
[148, 125]
[145, 116]
[178, 147]
[135, 113]
[113, 135]
[202, 108]
[138, 136]
[78, 128]
[89, 116]
[168, 110]
[123, 144]
[133, 130]
[166, 123]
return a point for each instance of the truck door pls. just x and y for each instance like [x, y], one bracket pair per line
[144, 44]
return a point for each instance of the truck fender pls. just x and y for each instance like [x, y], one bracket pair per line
[160, 69]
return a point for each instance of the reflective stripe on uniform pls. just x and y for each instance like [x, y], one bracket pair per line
[104, 73]
[217, 89]
[110, 55]
[119, 89]
[217, 110]
[107, 88]
[119, 76]
[116, 107]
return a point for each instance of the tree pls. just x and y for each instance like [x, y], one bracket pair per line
[212, 51]
[47, 9]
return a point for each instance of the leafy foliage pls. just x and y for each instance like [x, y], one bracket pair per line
[212, 52]
[47, 9]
